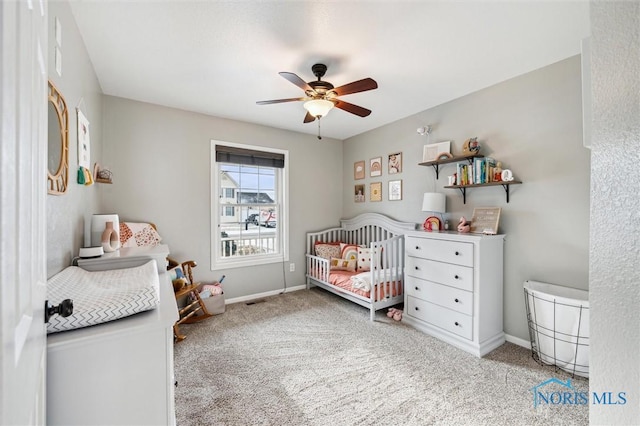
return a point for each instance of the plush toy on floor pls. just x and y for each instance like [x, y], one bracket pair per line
[394, 313]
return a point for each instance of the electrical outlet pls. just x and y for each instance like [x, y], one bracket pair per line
[292, 267]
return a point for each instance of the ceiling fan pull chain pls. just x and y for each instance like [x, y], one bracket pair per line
[319, 137]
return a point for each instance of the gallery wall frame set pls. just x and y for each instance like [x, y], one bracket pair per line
[394, 166]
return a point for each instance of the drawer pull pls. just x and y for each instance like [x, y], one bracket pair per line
[417, 308]
[456, 277]
[417, 288]
[456, 300]
[417, 247]
[417, 269]
[457, 324]
[457, 253]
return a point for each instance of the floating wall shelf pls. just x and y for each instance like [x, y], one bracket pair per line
[436, 163]
[463, 188]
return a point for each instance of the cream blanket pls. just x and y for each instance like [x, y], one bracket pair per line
[362, 281]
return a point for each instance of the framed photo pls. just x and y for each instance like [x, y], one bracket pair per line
[395, 190]
[359, 193]
[375, 167]
[485, 220]
[375, 191]
[432, 151]
[395, 163]
[358, 170]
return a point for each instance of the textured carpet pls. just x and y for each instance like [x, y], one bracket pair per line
[311, 358]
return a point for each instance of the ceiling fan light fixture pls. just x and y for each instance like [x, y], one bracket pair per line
[318, 107]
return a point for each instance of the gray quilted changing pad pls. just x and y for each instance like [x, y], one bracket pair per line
[102, 296]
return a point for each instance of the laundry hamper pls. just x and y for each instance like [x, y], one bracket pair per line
[558, 319]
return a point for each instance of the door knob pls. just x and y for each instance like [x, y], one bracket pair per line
[64, 309]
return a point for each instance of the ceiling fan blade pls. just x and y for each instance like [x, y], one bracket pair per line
[353, 109]
[279, 101]
[356, 86]
[293, 78]
[309, 118]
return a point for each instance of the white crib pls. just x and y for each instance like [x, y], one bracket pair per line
[385, 237]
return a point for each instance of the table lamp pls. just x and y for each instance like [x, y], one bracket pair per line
[434, 202]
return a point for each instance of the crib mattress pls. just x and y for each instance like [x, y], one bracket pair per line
[102, 296]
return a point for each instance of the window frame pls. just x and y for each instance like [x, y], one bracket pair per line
[282, 188]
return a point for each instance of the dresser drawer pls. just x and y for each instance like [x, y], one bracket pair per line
[442, 295]
[455, 252]
[452, 321]
[443, 273]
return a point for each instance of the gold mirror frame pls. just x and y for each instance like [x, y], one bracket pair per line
[57, 183]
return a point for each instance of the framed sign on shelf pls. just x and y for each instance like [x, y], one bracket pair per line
[433, 151]
[485, 220]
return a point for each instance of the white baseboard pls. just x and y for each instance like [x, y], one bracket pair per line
[265, 294]
[518, 341]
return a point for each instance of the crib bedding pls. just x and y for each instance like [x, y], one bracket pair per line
[345, 280]
[102, 296]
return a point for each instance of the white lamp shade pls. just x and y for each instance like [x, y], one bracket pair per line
[434, 202]
[318, 107]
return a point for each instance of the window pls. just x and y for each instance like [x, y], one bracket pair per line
[248, 209]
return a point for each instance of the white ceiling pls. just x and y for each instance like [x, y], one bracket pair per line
[220, 57]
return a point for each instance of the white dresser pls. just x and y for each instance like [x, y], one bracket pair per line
[119, 372]
[453, 288]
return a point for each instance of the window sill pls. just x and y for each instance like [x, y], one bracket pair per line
[220, 264]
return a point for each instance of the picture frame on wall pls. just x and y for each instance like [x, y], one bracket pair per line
[375, 167]
[395, 163]
[433, 151]
[358, 170]
[375, 193]
[359, 193]
[395, 190]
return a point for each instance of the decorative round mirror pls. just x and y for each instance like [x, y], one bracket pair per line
[58, 146]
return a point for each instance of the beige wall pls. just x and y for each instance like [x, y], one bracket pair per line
[615, 249]
[533, 124]
[160, 158]
[80, 88]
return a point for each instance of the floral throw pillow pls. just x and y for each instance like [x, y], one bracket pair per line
[328, 250]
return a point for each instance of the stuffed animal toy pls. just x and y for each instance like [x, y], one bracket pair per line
[179, 283]
[464, 225]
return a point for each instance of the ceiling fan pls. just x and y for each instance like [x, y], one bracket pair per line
[321, 96]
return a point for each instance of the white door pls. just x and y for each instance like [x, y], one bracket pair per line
[23, 112]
